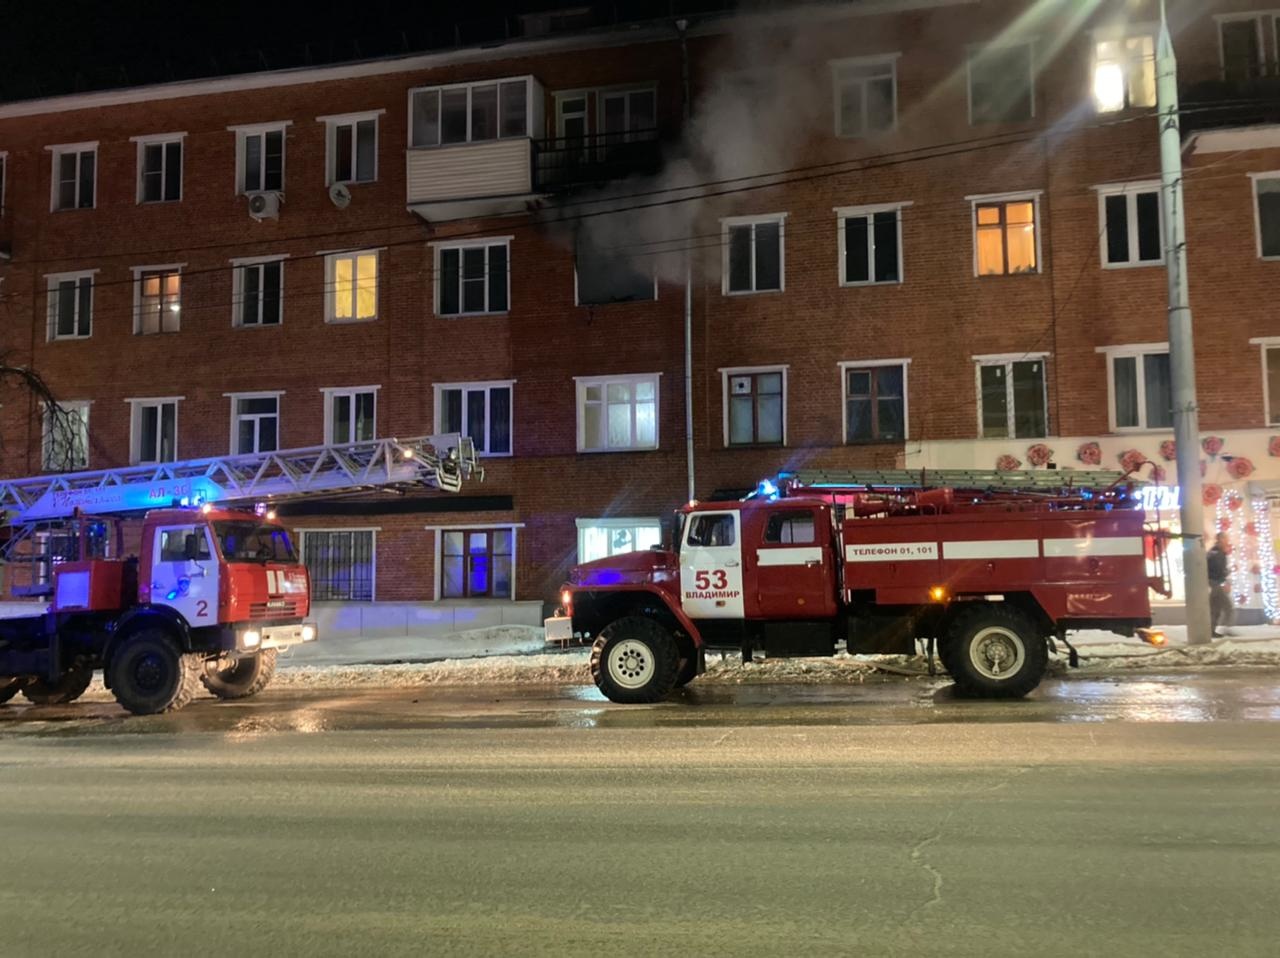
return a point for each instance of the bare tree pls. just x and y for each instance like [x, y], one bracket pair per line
[63, 431]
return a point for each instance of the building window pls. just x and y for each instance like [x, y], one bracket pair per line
[351, 287]
[1271, 379]
[75, 175]
[473, 278]
[1141, 388]
[1006, 235]
[1012, 401]
[4, 169]
[601, 538]
[353, 148]
[605, 275]
[261, 159]
[1266, 188]
[154, 430]
[477, 563]
[755, 406]
[1002, 84]
[70, 305]
[255, 423]
[158, 297]
[1242, 42]
[66, 437]
[351, 415]
[480, 411]
[866, 94]
[259, 292]
[1124, 73]
[875, 402]
[1131, 224]
[870, 245]
[339, 563]
[617, 413]
[160, 169]
[470, 112]
[753, 254]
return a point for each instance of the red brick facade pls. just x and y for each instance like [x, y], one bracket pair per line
[938, 318]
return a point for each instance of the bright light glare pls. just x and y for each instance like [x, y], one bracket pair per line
[1108, 87]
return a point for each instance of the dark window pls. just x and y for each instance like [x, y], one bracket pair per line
[351, 417]
[355, 148]
[1017, 388]
[1273, 384]
[257, 424]
[1241, 55]
[875, 404]
[260, 293]
[482, 413]
[1000, 84]
[75, 171]
[473, 279]
[158, 432]
[264, 161]
[787, 528]
[1143, 391]
[1269, 215]
[755, 409]
[712, 530]
[162, 172]
[755, 257]
[477, 563]
[71, 308]
[1133, 228]
[177, 544]
[611, 275]
[340, 565]
[254, 542]
[871, 248]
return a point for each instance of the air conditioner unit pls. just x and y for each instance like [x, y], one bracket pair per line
[265, 206]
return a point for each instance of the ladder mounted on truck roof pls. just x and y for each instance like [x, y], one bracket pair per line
[1065, 482]
[440, 462]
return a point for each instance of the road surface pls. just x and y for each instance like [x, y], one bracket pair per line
[1128, 816]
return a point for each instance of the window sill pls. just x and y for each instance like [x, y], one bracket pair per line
[862, 284]
[756, 445]
[73, 209]
[262, 325]
[158, 202]
[350, 322]
[751, 292]
[876, 442]
[1142, 264]
[352, 182]
[1021, 275]
[1141, 430]
[69, 339]
[597, 452]
[496, 312]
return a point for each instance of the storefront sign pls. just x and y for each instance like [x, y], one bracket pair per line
[1161, 498]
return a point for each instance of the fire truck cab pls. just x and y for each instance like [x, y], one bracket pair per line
[989, 575]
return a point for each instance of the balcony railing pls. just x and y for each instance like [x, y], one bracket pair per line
[571, 162]
[1247, 95]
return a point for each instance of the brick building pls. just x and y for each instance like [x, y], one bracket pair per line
[906, 233]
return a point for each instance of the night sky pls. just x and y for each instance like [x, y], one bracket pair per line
[47, 49]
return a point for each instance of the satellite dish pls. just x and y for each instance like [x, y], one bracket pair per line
[340, 195]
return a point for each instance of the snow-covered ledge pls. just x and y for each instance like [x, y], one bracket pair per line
[382, 620]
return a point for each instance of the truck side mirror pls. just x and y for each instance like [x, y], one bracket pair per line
[192, 547]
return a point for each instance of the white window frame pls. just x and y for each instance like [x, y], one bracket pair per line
[891, 60]
[438, 249]
[161, 140]
[626, 91]
[1130, 192]
[80, 407]
[138, 273]
[852, 212]
[631, 523]
[373, 554]
[484, 386]
[1267, 343]
[1267, 52]
[254, 129]
[330, 286]
[236, 416]
[730, 222]
[976, 49]
[238, 266]
[1112, 353]
[1022, 196]
[4, 178]
[580, 399]
[51, 283]
[1007, 360]
[331, 393]
[530, 114]
[331, 124]
[439, 531]
[136, 405]
[1129, 31]
[58, 152]
[728, 371]
[1255, 179]
[844, 368]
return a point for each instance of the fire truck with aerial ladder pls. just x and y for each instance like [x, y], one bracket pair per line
[990, 569]
[214, 589]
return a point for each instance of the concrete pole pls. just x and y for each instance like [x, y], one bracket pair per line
[682, 26]
[1186, 416]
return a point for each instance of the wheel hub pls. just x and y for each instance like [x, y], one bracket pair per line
[148, 672]
[631, 664]
[997, 652]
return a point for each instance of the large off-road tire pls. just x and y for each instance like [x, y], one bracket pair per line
[634, 660]
[245, 677]
[149, 673]
[69, 687]
[994, 651]
[689, 669]
[9, 687]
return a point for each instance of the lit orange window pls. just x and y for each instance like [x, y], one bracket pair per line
[1006, 238]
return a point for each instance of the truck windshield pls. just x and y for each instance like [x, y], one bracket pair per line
[254, 542]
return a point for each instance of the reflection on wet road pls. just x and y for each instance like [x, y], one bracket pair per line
[1222, 695]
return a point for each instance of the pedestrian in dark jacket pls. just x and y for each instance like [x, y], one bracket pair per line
[1220, 608]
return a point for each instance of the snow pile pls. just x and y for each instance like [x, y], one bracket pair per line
[1125, 656]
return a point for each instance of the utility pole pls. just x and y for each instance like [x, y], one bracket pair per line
[1182, 363]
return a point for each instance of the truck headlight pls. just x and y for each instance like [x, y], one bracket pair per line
[308, 633]
[251, 639]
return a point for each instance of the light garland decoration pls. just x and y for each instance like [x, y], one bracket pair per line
[1266, 559]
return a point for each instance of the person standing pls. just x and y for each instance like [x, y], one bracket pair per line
[1220, 607]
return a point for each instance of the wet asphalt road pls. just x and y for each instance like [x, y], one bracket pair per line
[1136, 815]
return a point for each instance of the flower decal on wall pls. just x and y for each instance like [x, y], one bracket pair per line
[1212, 445]
[1039, 454]
[1131, 460]
[1168, 450]
[1212, 493]
[1240, 468]
[1090, 453]
[1273, 447]
[1007, 463]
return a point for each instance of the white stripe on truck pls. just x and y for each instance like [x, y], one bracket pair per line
[793, 556]
[1104, 546]
[992, 549]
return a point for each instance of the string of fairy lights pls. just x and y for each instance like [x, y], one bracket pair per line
[1252, 559]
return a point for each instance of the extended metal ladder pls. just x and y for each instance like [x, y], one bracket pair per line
[1049, 481]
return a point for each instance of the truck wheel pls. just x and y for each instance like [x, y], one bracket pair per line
[9, 687]
[150, 674]
[69, 687]
[994, 651]
[634, 660]
[245, 677]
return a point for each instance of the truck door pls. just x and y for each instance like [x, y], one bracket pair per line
[794, 573]
[184, 574]
[711, 565]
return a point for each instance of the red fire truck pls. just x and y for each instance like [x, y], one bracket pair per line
[211, 593]
[989, 568]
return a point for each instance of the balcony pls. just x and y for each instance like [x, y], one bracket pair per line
[1248, 96]
[563, 164]
[471, 179]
